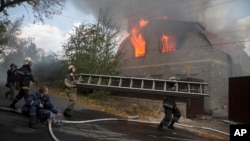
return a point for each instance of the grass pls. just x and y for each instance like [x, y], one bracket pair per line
[111, 105]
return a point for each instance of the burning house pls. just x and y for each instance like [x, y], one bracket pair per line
[179, 45]
[163, 48]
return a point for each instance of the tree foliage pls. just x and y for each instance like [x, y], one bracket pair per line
[40, 8]
[9, 35]
[9, 30]
[9, 41]
[3, 38]
[91, 47]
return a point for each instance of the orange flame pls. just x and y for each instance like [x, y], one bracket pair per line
[143, 23]
[137, 39]
[168, 43]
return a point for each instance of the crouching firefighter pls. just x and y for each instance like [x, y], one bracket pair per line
[38, 107]
[172, 114]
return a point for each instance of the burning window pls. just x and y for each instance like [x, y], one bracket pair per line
[168, 43]
[137, 39]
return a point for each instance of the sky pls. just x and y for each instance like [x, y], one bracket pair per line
[218, 16]
[53, 32]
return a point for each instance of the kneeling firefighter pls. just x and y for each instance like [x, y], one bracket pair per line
[172, 114]
[38, 107]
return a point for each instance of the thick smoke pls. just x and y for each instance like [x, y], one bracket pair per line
[225, 18]
[123, 11]
[214, 14]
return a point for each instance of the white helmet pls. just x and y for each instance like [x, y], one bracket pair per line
[70, 67]
[173, 78]
[27, 60]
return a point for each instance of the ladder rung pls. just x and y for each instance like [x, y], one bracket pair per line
[120, 82]
[89, 80]
[153, 85]
[131, 83]
[142, 84]
[99, 80]
[165, 86]
[110, 80]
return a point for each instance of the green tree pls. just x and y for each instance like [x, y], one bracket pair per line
[3, 38]
[91, 47]
[10, 42]
[41, 8]
[9, 38]
[3, 32]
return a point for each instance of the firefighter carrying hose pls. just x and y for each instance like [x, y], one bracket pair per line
[172, 114]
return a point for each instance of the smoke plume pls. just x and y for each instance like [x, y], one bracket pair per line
[222, 17]
[214, 14]
[123, 10]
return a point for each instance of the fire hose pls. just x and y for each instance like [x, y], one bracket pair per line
[58, 120]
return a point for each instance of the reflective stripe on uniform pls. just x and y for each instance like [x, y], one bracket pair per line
[27, 88]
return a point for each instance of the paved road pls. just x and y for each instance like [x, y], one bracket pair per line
[14, 127]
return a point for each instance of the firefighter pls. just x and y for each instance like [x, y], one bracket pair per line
[71, 90]
[11, 81]
[23, 81]
[172, 114]
[172, 86]
[38, 107]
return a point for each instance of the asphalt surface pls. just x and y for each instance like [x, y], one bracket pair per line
[14, 127]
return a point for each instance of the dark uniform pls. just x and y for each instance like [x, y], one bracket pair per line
[24, 78]
[172, 113]
[32, 109]
[11, 81]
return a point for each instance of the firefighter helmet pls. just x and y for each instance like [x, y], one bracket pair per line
[27, 60]
[70, 67]
[13, 65]
[173, 78]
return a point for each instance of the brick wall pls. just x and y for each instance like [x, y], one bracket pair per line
[196, 57]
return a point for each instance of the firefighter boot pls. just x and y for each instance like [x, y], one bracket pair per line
[33, 125]
[171, 125]
[161, 127]
[67, 113]
[12, 105]
[6, 94]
